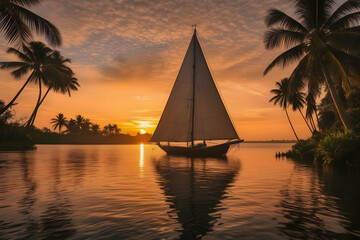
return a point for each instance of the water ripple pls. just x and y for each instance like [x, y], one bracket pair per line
[136, 192]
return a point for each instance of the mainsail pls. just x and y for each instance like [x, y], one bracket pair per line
[194, 110]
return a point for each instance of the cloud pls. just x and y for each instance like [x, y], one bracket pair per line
[141, 67]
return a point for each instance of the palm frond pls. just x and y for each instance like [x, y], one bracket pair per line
[13, 27]
[40, 25]
[299, 75]
[345, 41]
[276, 98]
[20, 71]
[313, 13]
[287, 57]
[12, 65]
[337, 70]
[276, 91]
[280, 93]
[275, 17]
[278, 37]
[353, 29]
[19, 54]
[346, 22]
[350, 62]
[26, 3]
[346, 8]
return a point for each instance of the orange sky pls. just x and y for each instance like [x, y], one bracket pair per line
[126, 55]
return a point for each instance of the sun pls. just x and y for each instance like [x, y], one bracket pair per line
[142, 131]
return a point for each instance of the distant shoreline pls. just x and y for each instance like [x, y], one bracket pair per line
[272, 141]
[137, 143]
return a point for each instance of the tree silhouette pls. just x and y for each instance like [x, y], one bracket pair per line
[282, 99]
[58, 77]
[59, 121]
[325, 42]
[34, 58]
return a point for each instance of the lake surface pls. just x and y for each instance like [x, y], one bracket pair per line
[138, 192]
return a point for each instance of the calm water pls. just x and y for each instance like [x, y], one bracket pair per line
[137, 192]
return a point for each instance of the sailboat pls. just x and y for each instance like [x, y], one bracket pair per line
[195, 112]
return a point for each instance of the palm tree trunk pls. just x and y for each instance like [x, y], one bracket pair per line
[38, 106]
[311, 119]
[337, 101]
[16, 96]
[291, 125]
[313, 122]
[305, 121]
[28, 123]
[317, 118]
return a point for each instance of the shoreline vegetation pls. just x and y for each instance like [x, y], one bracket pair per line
[16, 136]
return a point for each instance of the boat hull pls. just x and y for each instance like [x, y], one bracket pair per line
[201, 151]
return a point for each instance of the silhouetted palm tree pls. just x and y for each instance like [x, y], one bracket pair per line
[281, 98]
[310, 110]
[79, 119]
[324, 39]
[58, 77]
[17, 22]
[34, 58]
[296, 100]
[108, 129]
[72, 127]
[86, 126]
[59, 121]
[95, 128]
[116, 130]
[79, 122]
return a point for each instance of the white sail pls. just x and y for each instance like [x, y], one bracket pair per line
[207, 118]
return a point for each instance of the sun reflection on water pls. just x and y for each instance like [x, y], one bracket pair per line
[141, 163]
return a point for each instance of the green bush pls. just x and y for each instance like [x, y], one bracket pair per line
[340, 149]
[305, 150]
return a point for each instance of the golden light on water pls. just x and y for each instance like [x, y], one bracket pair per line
[141, 163]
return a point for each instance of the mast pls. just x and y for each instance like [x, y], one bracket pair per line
[193, 102]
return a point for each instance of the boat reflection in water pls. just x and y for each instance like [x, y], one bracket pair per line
[195, 188]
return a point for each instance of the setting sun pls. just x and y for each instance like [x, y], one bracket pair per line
[142, 131]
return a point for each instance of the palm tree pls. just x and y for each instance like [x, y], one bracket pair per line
[108, 129]
[296, 100]
[64, 86]
[72, 127]
[324, 39]
[79, 120]
[59, 121]
[116, 129]
[33, 59]
[95, 128]
[281, 98]
[17, 23]
[58, 77]
[86, 126]
[311, 110]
